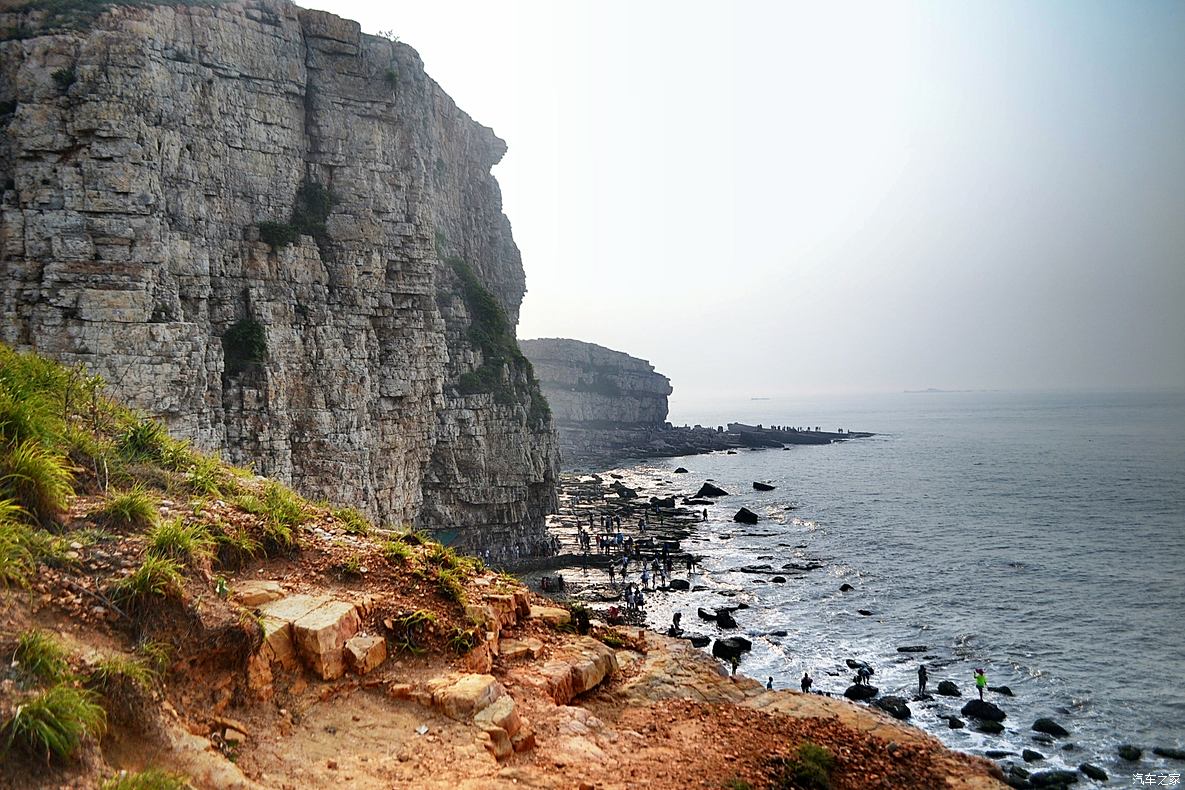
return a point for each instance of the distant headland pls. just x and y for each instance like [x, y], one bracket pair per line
[609, 406]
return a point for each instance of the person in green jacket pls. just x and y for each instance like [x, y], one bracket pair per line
[980, 682]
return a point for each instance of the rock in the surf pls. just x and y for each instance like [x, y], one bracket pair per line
[724, 619]
[845, 587]
[778, 580]
[1053, 778]
[680, 584]
[709, 490]
[1050, 727]
[1007, 692]
[913, 649]
[698, 640]
[1031, 756]
[860, 692]
[680, 470]
[948, 688]
[1093, 772]
[763, 487]
[1166, 751]
[705, 614]
[988, 727]
[731, 647]
[1130, 753]
[666, 502]
[955, 723]
[984, 711]
[745, 516]
[894, 706]
[864, 613]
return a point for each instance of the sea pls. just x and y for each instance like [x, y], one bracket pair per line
[1038, 536]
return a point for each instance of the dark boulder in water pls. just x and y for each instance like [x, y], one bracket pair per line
[1046, 739]
[745, 516]
[1007, 692]
[731, 647]
[864, 612]
[1172, 754]
[709, 490]
[1093, 772]
[724, 619]
[700, 502]
[845, 587]
[989, 727]
[776, 633]
[778, 580]
[680, 584]
[913, 649]
[1050, 727]
[1031, 756]
[1130, 753]
[860, 692]
[731, 452]
[667, 502]
[698, 640]
[1053, 778]
[984, 711]
[680, 471]
[706, 614]
[894, 706]
[947, 688]
[998, 754]
[763, 487]
[955, 723]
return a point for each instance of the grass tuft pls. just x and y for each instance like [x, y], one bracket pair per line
[54, 723]
[143, 439]
[133, 508]
[157, 577]
[396, 550]
[176, 540]
[449, 583]
[16, 560]
[352, 521]
[281, 511]
[42, 656]
[235, 545]
[148, 779]
[37, 479]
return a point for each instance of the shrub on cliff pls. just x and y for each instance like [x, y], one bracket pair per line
[244, 346]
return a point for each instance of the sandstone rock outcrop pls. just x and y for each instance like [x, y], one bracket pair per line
[282, 238]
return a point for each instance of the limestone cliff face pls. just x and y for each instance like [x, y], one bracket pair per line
[587, 383]
[608, 405]
[140, 159]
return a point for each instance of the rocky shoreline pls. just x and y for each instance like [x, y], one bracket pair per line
[656, 521]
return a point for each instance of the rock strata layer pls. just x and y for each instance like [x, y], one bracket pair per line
[282, 238]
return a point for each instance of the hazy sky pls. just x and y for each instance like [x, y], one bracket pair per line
[771, 198]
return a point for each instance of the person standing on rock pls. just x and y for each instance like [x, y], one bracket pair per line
[806, 683]
[923, 676]
[769, 683]
[980, 682]
[612, 573]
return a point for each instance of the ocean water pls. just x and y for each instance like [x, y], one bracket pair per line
[1039, 536]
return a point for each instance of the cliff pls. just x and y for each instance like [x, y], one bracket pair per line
[282, 238]
[609, 406]
[591, 385]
